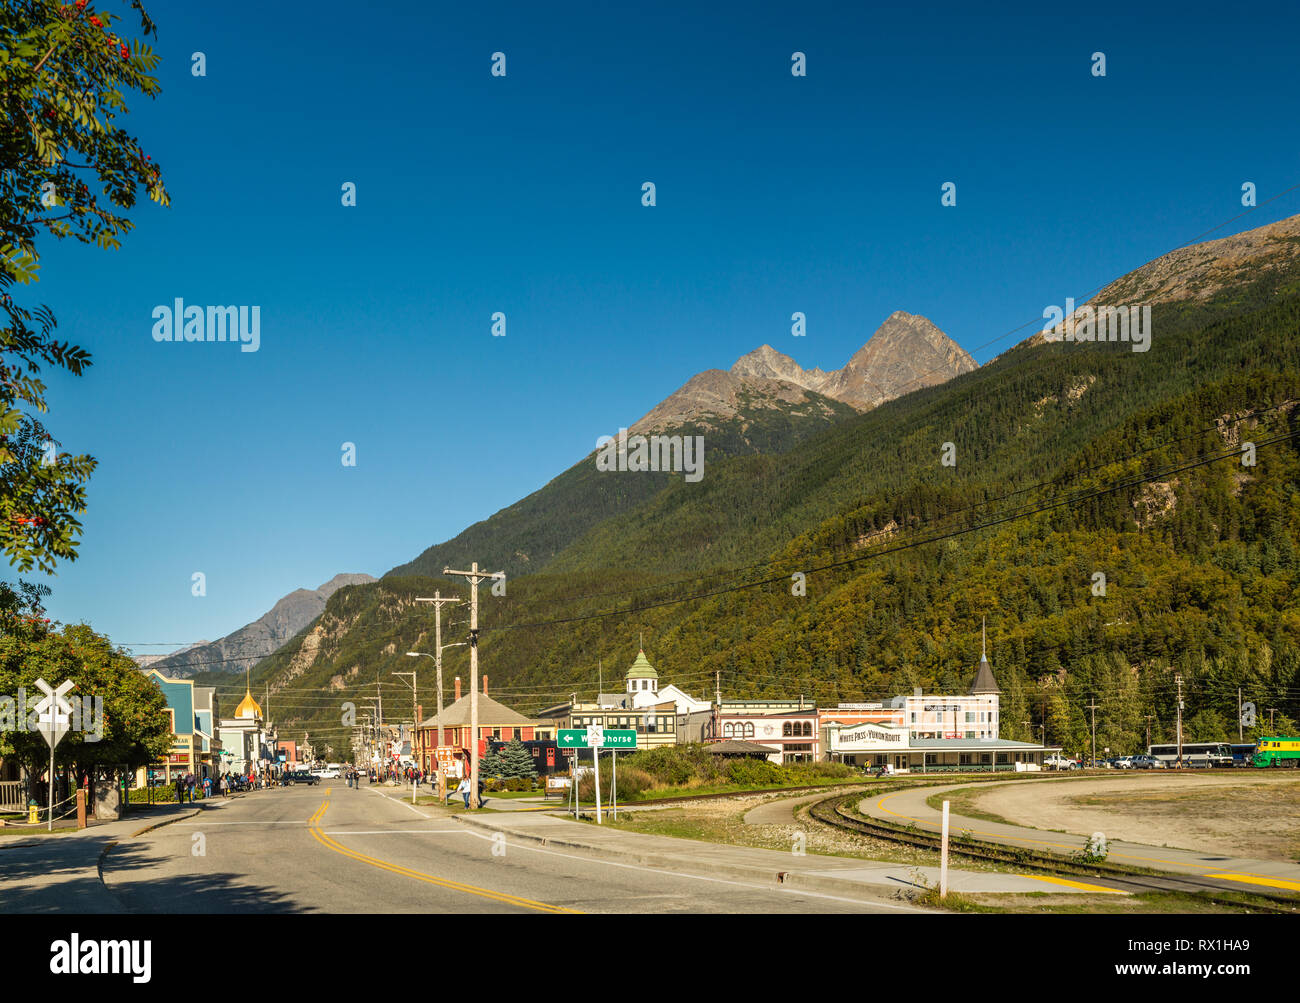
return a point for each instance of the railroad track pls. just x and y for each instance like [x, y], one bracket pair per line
[835, 811]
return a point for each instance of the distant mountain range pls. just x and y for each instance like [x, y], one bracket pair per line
[251, 643]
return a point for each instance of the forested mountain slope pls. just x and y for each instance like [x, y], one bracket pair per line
[1070, 461]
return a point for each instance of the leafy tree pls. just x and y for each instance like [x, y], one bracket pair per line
[67, 169]
[134, 727]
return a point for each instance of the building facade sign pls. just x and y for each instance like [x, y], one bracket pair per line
[866, 738]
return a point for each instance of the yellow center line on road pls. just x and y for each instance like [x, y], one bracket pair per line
[1066, 846]
[407, 872]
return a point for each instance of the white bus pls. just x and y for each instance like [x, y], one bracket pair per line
[1203, 755]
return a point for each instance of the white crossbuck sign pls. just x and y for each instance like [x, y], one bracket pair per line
[53, 712]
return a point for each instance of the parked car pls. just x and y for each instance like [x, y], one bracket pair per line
[1059, 762]
[298, 777]
[1147, 763]
[1124, 763]
[326, 774]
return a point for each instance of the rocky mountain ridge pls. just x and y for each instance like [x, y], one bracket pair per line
[907, 352]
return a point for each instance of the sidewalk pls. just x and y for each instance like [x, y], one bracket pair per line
[42, 873]
[830, 875]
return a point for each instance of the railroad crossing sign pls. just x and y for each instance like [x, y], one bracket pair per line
[52, 711]
[606, 738]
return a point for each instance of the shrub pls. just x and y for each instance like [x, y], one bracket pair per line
[632, 782]
[678, 765]
[754, 772]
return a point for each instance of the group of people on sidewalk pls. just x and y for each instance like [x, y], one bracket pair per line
[189, 787]
[462, 789]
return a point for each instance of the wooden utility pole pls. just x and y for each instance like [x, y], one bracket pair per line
[475, 576]
[1179, 679]
[437, 601]
[1149, 717]
[1270, 719]
[1093, 707]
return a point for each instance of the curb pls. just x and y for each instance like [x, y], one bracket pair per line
[159, 825]
[670, 862]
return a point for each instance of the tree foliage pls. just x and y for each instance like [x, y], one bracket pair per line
[67, 169]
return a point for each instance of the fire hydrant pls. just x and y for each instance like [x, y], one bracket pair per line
[33, 812]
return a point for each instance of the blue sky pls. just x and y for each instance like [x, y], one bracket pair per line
[522, 194]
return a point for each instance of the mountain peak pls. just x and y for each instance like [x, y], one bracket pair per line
[254, 641]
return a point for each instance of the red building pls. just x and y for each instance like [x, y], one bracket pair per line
[495, 721]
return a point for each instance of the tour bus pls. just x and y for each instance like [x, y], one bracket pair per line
[1204, 755]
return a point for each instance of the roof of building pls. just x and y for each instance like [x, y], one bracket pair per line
[248, 707]
[737, 747]
[984, 682]
[641, 668]
[490, 714]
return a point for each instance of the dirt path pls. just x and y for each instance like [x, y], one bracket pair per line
[1252, 815]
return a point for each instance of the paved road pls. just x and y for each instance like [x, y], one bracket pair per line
[335, 849]
[1241, 873]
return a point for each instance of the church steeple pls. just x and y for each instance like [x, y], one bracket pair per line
[984, 682]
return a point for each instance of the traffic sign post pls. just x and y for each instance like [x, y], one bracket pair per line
[52, 712]
[595, 738]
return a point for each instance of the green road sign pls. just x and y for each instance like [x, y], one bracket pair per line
[610, 738]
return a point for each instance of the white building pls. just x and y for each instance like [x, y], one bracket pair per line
[973, 716]
[643, 689]
[243, 738]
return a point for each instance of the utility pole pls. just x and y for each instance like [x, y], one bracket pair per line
[1179, 679]
[438, 601]
[1093, 707]
[475, 576]
[415, 697]
[717, 703]
[1241, 728]
[1149, 717]
[1270, 719]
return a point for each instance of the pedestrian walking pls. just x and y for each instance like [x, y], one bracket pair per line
[462, 789]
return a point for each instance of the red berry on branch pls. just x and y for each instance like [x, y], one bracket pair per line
[81, 4]
[96, 22]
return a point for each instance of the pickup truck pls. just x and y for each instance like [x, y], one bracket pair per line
[298, 777]
[1057, 762]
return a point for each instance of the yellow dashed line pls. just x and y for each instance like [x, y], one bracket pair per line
[407, 872]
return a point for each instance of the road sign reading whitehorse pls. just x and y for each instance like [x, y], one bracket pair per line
[611, 738]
